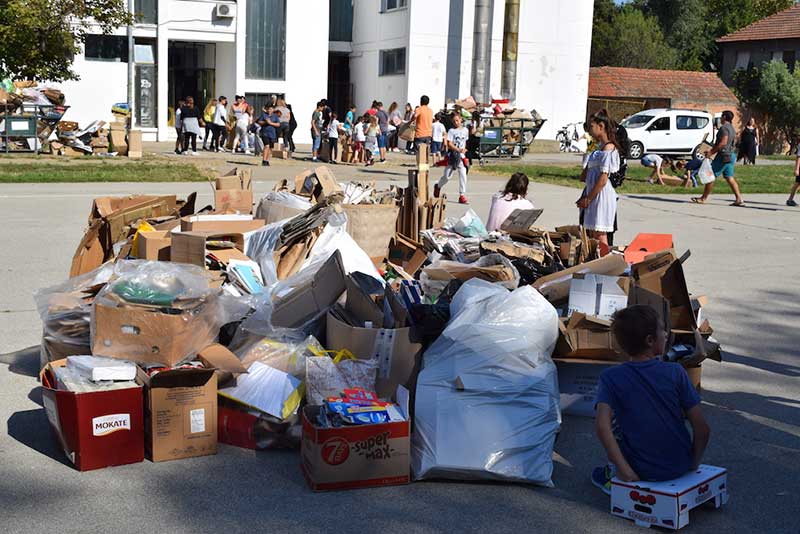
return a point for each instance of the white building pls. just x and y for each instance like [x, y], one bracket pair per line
[352, 51]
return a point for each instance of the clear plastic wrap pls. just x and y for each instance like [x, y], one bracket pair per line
[260, 247]
[489, 382]
[328, 377]
[469, 225]
[284, 198]
[432, 286]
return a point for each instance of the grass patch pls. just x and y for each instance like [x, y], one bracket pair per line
[97, 171]
[752, 179]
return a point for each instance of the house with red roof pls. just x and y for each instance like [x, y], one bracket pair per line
[624, 91]
[776, 37]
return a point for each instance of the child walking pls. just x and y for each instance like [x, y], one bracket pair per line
[649, 401]
[796, 184]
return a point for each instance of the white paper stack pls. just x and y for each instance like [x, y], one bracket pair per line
[99, 369]
[265, 388]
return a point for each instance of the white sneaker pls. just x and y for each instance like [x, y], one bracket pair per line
[248, 152]
[194, 153]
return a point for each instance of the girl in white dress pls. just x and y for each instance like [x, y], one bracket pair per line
[598, 200]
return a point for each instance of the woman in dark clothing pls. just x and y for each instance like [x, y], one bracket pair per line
[192, 120]
[748, 143]
[292, 127]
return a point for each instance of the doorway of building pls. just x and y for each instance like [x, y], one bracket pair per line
[191, 70]
[340, 90]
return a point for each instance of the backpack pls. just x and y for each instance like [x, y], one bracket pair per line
[616, 178]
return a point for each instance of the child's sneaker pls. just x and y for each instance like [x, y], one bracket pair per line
[791, 203]
[463, 200]
[601, 477]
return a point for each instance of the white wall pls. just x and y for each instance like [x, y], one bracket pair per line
[374, 31]
[427, 52]
[553, 63]
[225, 76]
[196, 16]
[102, 84]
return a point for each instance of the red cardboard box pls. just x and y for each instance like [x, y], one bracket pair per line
[359, 456]
[645, 244]
[96, 429]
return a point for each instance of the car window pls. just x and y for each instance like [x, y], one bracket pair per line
[691, 122]
[660, 124]
[637, 121]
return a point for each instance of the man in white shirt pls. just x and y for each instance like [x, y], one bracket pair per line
[456, 148]
[437, 139]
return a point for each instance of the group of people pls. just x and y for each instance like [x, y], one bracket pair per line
[236, 128]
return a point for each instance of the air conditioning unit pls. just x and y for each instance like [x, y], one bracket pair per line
[225, 11]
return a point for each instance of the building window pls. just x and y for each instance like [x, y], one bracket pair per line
[391, 5]
[265, 48]
[146, 11]
[743, 59]
[689, 122]
[259, 100]
[392, 62]
[106, 48]
[341, 20]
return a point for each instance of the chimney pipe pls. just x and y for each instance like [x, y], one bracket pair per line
[508, 79]
[481, 50]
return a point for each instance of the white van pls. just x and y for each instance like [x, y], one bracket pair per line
[668, 132]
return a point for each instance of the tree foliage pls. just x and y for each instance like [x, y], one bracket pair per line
[629, 38]
[39, 38]
[775, 91]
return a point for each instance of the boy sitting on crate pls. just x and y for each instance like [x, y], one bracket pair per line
[642, 406]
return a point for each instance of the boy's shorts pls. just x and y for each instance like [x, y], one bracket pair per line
[268, 141]
[316, 141]
[382, 140]
[436, 147]
[722, 169]
[359, 145]
[797, 179]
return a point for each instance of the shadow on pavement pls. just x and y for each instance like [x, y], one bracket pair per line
[32, 429]
[23, 362]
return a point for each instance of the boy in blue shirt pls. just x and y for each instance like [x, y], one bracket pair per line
[649, 400]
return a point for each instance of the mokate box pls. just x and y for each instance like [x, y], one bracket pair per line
[154, 245]
[181, 407]
[667, 504]
[359, 456]
[96, 429]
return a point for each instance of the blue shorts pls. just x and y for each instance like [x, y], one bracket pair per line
[316, 142]
[382, 140]
[436, 147]
[722, 169]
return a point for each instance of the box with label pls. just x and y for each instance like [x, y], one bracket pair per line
[597, 294]
[667, 504]
[96, 429]
[358, 456]
[577, 384]
[181, 407]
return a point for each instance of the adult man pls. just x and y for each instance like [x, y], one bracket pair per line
[423, 117]
[723, 162]
[316, 130]
[383, 124]
[456, 144]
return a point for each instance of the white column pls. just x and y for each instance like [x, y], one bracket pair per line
[241, 39]
[162, 70]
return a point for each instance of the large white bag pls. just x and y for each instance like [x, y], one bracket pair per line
[487, 402]
[705, 173]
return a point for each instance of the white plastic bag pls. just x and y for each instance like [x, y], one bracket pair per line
[487, 400]
[469, 225]
[705, 173]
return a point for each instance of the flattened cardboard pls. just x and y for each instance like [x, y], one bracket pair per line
[644, 245]
[221, 223]
[307, 301]
[513, 250]
[372, 227]
[154, 245]
[235, 179]
[662, 273]
[522, 222]
[358, 456]
[555, 287]
[95, 429]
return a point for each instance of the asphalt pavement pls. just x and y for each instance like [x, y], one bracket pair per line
[744, 259]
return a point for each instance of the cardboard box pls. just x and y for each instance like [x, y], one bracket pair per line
[662, 273]
[522, 222]
[233, 201]
[406, 253]
[135, 144]
[667, 504]
[555, 287]
[513, 250]
[154, 245]
[235, 179]
[309, 300]
[577, 384]
[96, 429]
[192, 247]
[644, 245]
[181, 407]
[230, 223]
[271, 211]
[358, 456]
[396, 350]
[372, 227]
[586, 336]
[118, 143]
[144, 334]
[597, 294]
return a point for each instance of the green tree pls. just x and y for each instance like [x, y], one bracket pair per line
[775, 91]
[727, 16]
[631, 39]
[39, 38]
[686, 28]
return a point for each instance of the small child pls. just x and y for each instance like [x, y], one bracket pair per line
[796, 185]
[371, 144]
[437, 138]
[655, 162]
[359, 136]
[688, 171]
[650, 401]
[333, 137]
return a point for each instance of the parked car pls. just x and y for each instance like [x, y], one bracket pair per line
[669, 132]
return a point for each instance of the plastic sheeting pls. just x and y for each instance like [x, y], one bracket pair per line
[487, 400]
